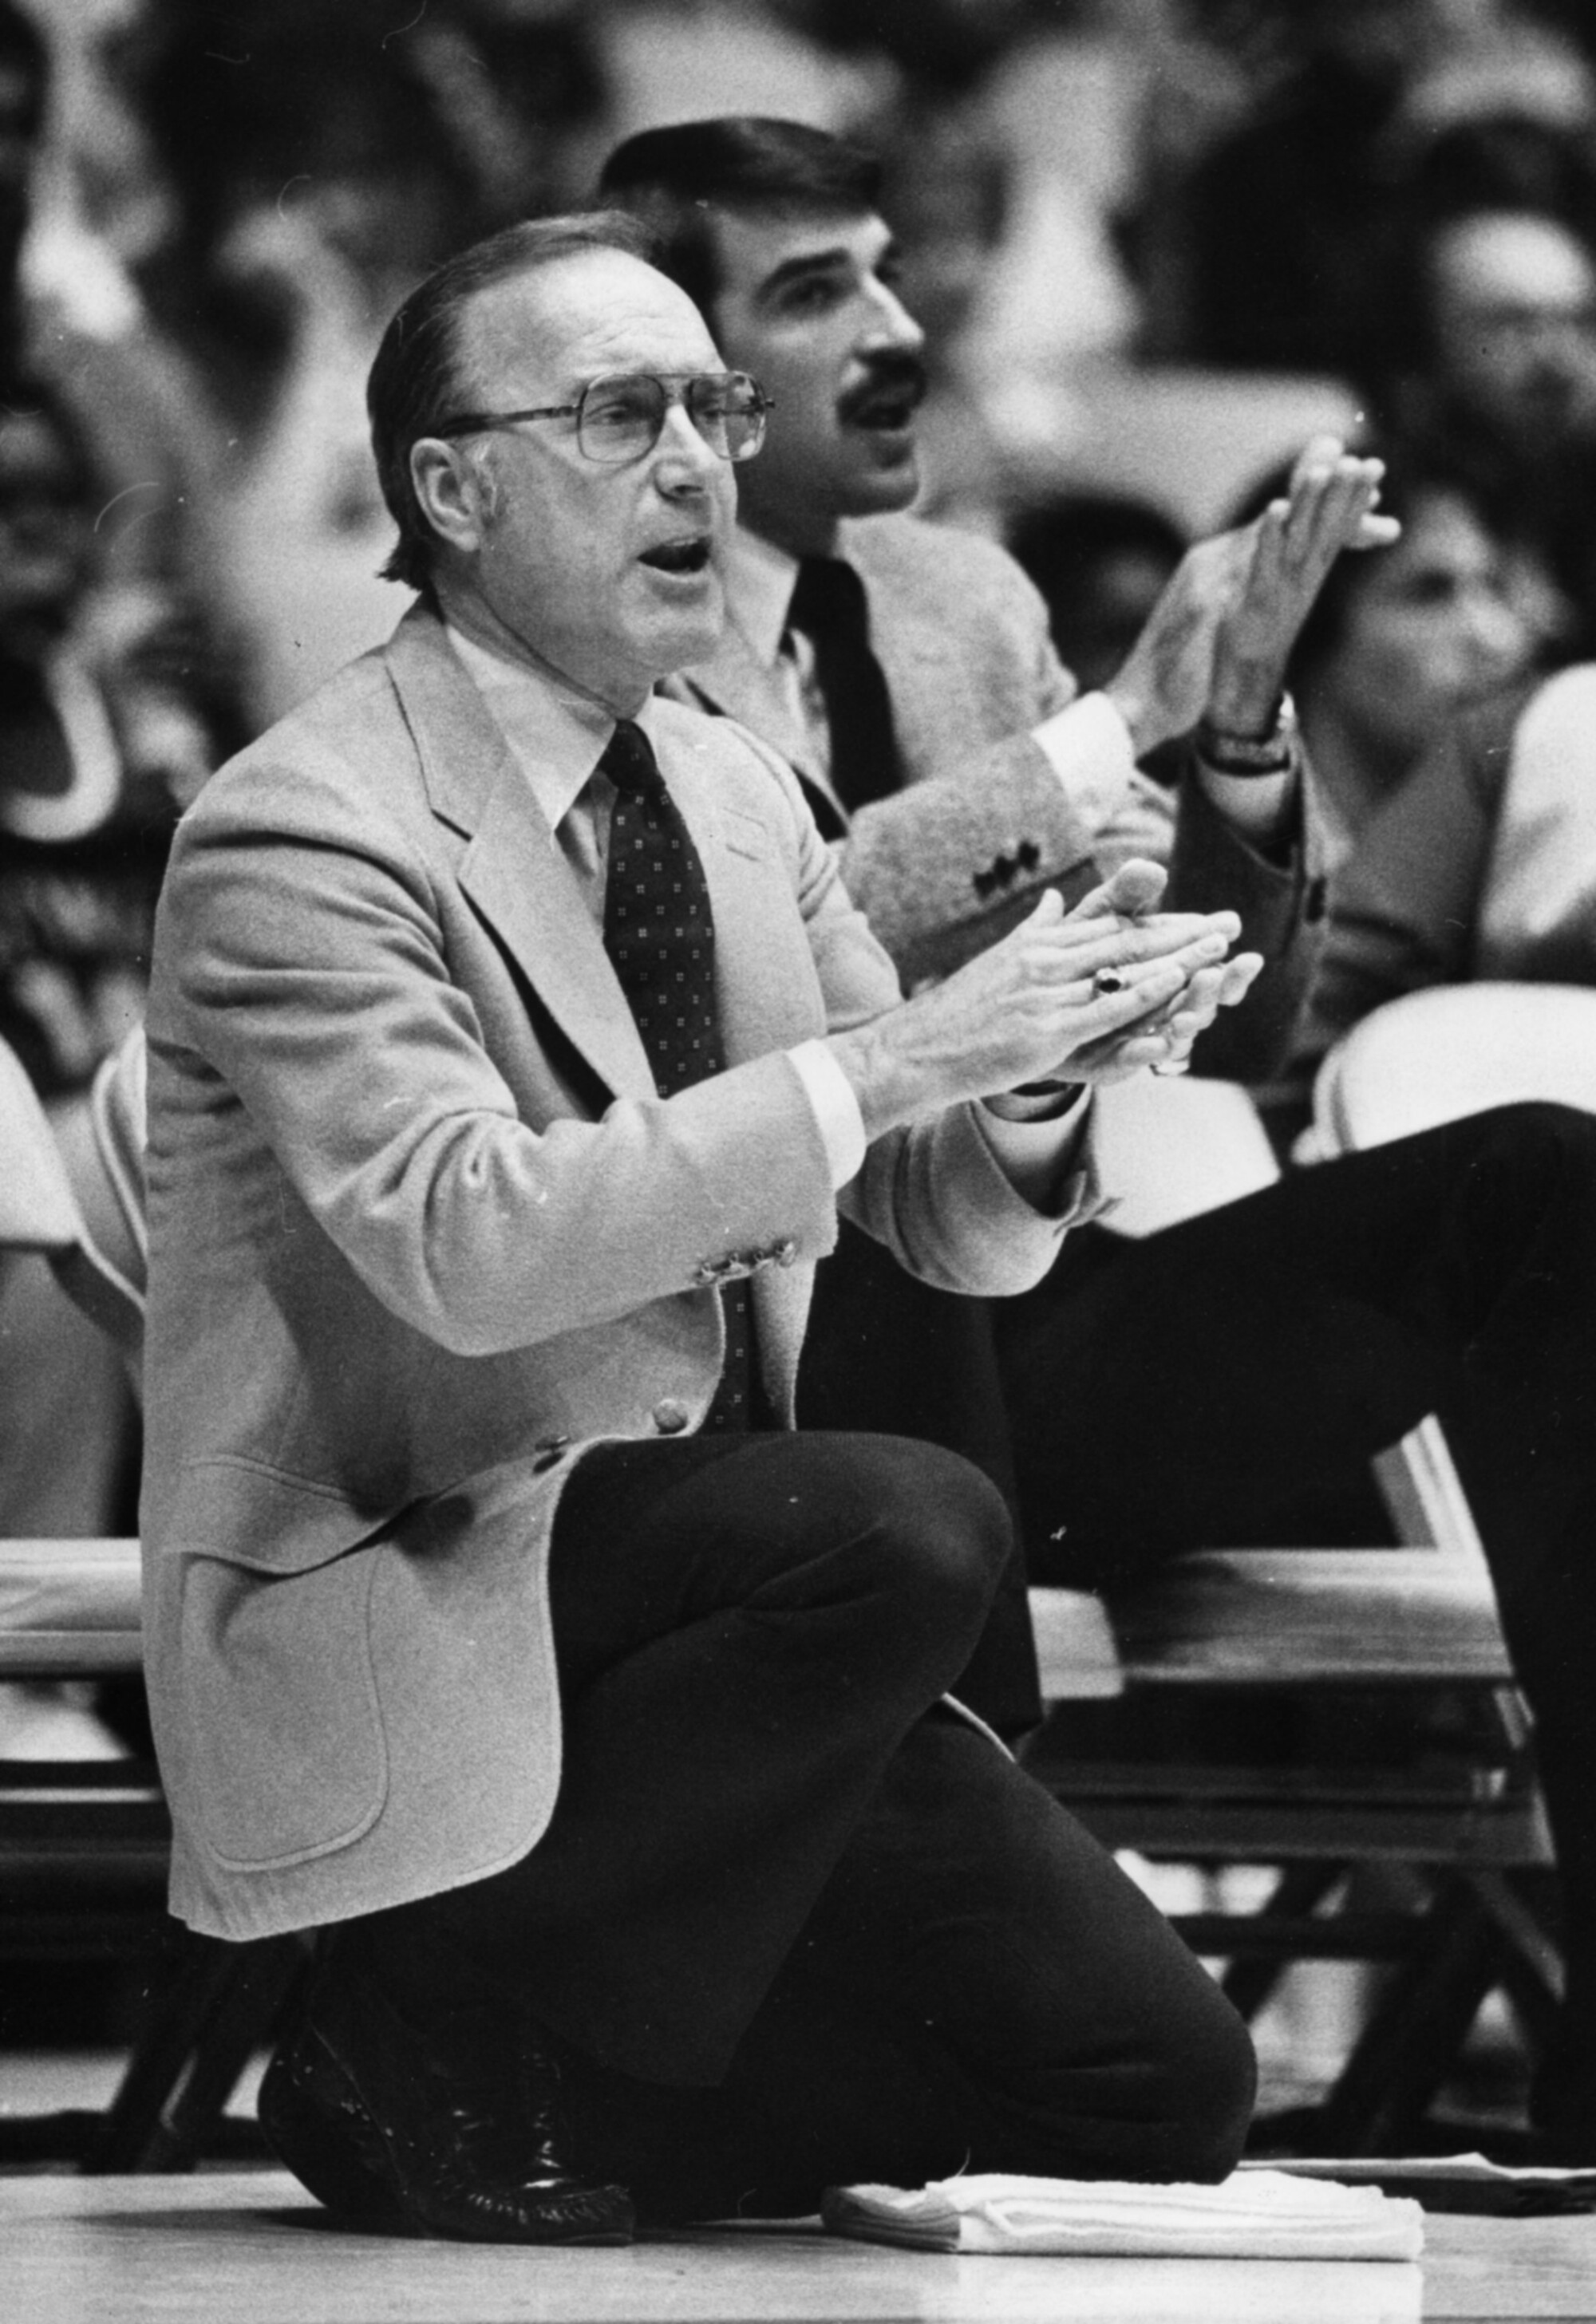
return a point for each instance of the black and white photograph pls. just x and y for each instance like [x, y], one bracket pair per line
[797, 1161]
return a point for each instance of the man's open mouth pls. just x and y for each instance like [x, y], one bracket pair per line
[888, 401]
[691, 555]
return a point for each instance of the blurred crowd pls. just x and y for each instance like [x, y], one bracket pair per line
[208, 208]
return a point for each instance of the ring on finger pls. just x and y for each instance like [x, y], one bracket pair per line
[1108, 981]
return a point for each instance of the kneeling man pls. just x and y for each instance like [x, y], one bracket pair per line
[512, 1045]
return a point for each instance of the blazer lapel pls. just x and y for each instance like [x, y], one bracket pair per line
[735, 685]
[512, 868]
[767, 993]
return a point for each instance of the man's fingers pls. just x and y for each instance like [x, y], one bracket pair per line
[1165, 1036]
[1320, 453]
[1238, 977]
[1142, 995]
[1120, 949]
[1326, 517]
[1136, 888]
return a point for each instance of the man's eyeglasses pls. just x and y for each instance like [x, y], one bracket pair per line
[620, 418]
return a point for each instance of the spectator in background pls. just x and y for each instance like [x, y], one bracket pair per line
[1482, 866]
[1282, 216]
[99, 752]
[127, 396]
[320, 161]
[1289, 220]
[1396, 646]
[24, 82]
[1497, 388]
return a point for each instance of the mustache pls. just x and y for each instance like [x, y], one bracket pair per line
[896, 373]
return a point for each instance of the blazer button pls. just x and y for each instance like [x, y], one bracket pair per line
[670, 1415]
[784, 1252]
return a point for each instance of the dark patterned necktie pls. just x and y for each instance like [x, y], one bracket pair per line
[828, 607]
[659, 931]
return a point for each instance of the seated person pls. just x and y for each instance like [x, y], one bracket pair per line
[98, 751]
[1226, 1380]
[512, 1042]
[1395, 646]
[1488, 375]
[1483, 865]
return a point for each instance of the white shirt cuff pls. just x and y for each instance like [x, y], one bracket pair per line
[1032, 1153]
[1089, 750]
[836, 1109]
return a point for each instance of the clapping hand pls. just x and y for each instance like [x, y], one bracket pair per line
[1163, 1039]
[1088, 995]
[1220, 636]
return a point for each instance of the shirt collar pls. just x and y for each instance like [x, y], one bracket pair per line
[760, 583]
[556, 734]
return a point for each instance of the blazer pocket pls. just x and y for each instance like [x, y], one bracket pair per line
[287, 1758]
[248, 1513]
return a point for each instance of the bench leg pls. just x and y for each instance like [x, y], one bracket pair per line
[220, 2005]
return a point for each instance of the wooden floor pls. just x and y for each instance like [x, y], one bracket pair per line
[250, 2247]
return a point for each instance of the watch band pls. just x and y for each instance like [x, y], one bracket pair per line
[1251, 754]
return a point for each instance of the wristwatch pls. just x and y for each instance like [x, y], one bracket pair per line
[1248, 755]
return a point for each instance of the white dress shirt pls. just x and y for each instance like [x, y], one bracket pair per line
[556, 735]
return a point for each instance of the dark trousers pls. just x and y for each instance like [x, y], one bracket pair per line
[888, 1355]
[1227, 1380]
[791, 1923]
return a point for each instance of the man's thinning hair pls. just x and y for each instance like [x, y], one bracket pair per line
[418, 382]
[676, 179]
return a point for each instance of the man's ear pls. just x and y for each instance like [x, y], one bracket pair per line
[451, 492]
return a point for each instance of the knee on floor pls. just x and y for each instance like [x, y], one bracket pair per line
[1175, 2107]
[1209, 2078]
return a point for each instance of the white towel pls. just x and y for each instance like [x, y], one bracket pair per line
[1252, 2215]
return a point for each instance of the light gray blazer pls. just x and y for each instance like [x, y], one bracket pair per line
[983, 823]
[420, 1230]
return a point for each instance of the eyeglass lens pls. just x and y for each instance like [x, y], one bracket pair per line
[620, 418]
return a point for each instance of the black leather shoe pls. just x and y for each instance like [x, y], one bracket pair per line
[316, 2125]
[451, 2129]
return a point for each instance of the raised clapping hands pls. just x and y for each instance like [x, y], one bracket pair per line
[1221, 635]
[1027, 1010]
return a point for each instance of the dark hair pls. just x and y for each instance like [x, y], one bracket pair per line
[1069, 544]
[1062, 541]
[415, 383]
[675, 179]
[24, 49]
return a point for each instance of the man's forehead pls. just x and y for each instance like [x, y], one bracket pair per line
[760, 248]
[594, 310]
